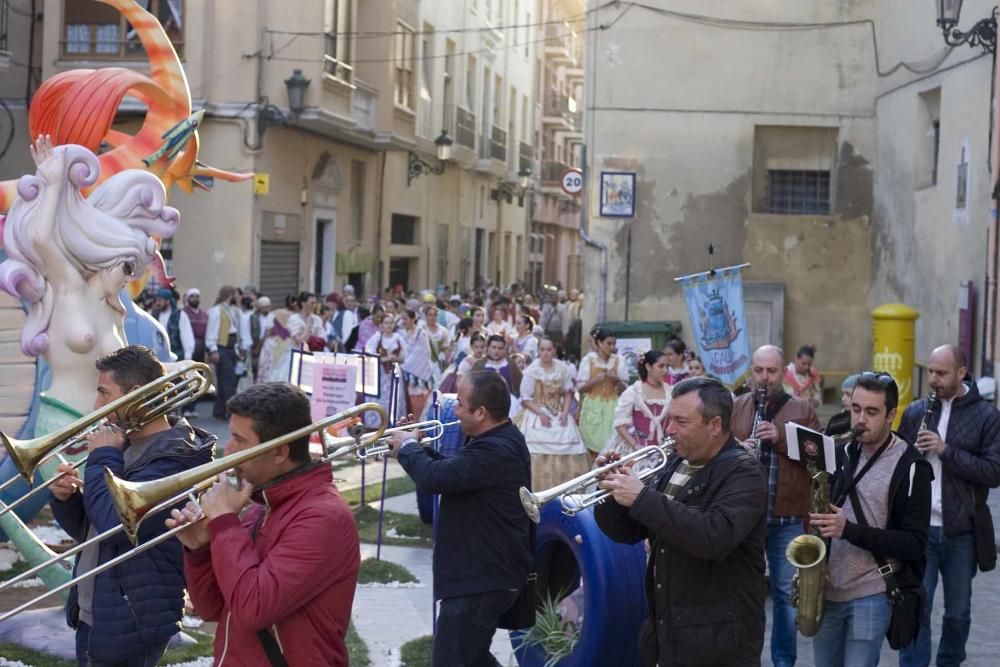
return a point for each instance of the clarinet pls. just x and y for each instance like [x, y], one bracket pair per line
[932, 401]
[760, 401]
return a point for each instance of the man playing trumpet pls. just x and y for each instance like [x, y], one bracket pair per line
[704, 515]
[279, 579]
[127, 614]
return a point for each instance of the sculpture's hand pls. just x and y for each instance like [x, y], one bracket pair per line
[51, 166]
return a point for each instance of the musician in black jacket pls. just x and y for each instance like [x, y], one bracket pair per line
[482, 550]
[961, 440]
[883, 521]
[705, 516]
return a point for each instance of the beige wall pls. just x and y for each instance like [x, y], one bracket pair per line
[923, 247]
[691, 142]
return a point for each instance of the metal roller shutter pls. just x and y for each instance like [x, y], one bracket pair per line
[279, 270]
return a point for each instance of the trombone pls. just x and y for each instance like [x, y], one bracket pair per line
[574, 495]
[137, 500]
[133, 410]
[377, 449]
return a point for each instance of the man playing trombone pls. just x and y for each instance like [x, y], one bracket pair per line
[280, 579]
[127, 614]
[704, 515]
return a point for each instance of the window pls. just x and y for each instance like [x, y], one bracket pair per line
[798, 192]
[928, 139]
[357, 200]
[94, 30]
[404, 229]
[470, 84]
[337, 29]
[403, 57]
[442, 257]
[793, 170]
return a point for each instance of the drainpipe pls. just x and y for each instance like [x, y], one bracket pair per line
[993, 236]
[602, 294]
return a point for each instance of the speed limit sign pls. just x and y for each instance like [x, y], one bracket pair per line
[572, 181]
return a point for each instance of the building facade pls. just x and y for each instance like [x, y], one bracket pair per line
[348, 189]
[747, 136]
[554, 250]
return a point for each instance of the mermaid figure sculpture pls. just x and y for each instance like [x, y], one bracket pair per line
[68, 259]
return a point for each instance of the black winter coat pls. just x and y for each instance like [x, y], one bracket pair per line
[705, 580]
[483, 533]
[970, 464]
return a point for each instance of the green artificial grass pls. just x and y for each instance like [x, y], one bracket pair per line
[393, 487]
[357, 650]
[410, 530]
[384, 572]
[15, 569]
[202, 648]
[417, 652]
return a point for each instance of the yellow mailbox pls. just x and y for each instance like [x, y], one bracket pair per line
[894, 339]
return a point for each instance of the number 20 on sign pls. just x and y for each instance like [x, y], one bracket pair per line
[572, 181]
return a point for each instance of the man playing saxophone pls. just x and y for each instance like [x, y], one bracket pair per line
[879, 515]
[704, 515]
[280, 579]
[127, 614]
[788, 485]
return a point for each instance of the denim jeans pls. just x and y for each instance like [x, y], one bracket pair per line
[783, 631]
[955, 558]
[465, 628]
[149, 658]
[852, 632]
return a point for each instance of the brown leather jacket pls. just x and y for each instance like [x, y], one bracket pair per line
[792, 498]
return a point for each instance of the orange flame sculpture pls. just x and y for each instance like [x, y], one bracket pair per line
[79, 107]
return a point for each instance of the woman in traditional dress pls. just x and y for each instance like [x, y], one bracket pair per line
[368, 326]
[641, 414]
[478, 316]
[440, 340]
[696, 368]
[388, 347]
[500, 325]
[524, 340]
[418, 370]
[287, 333]
[463, 340]
[677, 367]
[477, 352]
[601, 378]
[557, 454]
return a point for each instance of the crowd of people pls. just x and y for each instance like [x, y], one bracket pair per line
[906, 509]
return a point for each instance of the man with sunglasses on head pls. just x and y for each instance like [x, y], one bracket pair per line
[961, 440]
[877, 523]
[787, 481]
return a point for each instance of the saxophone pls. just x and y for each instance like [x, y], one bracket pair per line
[807, 553]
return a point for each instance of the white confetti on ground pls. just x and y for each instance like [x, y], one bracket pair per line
[204, 661]
[4, 662]
[192, 622]
[391, 584]
[394, 658]
[51, 533]
[392, 533]
[29, 583]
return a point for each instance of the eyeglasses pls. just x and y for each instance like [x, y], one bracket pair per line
[882, 378]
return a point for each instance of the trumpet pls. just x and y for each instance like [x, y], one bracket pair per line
[133, 411]
[380, 449]
[135, 501]
[574, 496]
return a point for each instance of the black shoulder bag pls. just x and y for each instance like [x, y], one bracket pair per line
[905, 604]
[521, 614]
[267, 641]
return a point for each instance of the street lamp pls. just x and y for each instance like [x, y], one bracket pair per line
[983, 33]
[525, 176]
[416, 165]
[296, 85]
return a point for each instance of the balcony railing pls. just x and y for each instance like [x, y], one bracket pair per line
[332, 64]
[465, 128]
[107, 41]
[498, 144]
[553, 171]
[526, 156]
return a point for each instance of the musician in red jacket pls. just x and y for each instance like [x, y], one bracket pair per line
[281, 578]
